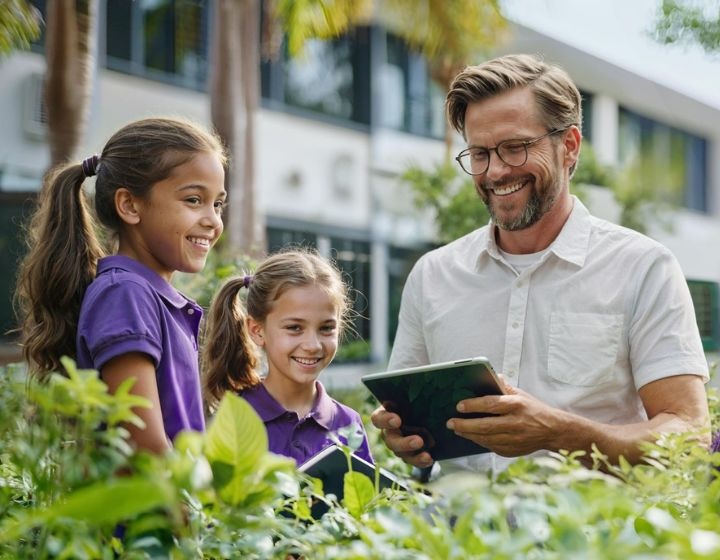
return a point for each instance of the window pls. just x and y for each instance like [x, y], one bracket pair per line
[352, 257]
[705, 299]
[401, 262]
[330, 78]
[673, 160]
[410, 101]
[15, 209]
[165, 40]
[278, 238]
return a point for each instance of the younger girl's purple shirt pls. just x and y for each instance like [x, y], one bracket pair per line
[301, 438]
[130, 308]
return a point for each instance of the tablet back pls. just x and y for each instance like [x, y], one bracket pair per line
[330, 466]
[426, 398]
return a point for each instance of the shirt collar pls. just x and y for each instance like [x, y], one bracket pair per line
[159, 284]
[269, 409]
[263, 402]
[570, 245]
[323, 411]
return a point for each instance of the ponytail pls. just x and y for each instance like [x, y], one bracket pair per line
[229, 359]
[61, 261]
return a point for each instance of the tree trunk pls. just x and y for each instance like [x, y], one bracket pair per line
[234, 94]
[69, 54]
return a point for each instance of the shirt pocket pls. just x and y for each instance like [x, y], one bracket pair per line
[583, 347]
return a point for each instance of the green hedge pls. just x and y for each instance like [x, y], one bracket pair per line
[67, 487]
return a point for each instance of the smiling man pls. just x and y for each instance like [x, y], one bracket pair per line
[590, 323]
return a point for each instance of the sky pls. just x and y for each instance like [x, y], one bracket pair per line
[617, 31]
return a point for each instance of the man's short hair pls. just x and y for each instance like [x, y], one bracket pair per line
[557, 97]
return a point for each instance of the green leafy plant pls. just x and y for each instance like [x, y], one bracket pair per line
[71, 488]
[357, 350]
[451, 195]
[221, 265]
[682, 22]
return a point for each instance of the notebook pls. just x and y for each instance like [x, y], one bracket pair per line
[330, 466]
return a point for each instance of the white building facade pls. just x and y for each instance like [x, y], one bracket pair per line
[335, 130]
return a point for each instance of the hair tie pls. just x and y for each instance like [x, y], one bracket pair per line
[246, 281]
[89, 165]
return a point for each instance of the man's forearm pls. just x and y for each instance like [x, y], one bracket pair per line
[577, 433]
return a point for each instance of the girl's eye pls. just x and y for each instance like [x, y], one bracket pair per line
[329, 329]
[220, 206]
[193, 199]
[293, 328]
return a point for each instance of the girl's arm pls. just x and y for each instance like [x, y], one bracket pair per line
[138, 365]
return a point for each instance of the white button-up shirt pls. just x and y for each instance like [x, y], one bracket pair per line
[603, 312]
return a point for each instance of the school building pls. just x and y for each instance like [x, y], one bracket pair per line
[335, 130]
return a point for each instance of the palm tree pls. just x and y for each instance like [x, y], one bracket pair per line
[234, 93]
[449, 37]
[19, 25]
[69, 53]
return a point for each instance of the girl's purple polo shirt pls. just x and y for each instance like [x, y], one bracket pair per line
[299, 438]
[129, 308]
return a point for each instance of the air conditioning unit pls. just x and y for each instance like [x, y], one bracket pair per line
[34, 114]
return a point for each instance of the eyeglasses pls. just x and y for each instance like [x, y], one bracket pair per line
[476, 161]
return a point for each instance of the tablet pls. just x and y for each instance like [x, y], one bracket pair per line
[330, 466]
[426, 397]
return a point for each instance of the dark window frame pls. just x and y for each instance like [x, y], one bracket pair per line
[695, 192]
[706, 300]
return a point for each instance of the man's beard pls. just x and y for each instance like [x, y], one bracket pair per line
[537, 205]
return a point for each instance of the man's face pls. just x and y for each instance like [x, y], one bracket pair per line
[516, 197]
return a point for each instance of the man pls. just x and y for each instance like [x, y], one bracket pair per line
[591, 324]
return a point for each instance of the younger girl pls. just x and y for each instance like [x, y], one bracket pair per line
[159, 192]
[296, 309]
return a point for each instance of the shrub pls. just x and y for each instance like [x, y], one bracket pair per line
[70, 488]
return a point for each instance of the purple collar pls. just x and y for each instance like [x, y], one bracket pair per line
[161, 286]
[323, 411]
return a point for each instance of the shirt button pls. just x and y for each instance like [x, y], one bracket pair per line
[511, 373]
[296, 444]
[191, 311]
[515, 325]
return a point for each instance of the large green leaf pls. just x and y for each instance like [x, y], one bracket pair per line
[102, 503]
[235, 444]
[358, 491]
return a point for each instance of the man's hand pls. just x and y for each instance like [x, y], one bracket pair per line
[523, 423]
[407, 448]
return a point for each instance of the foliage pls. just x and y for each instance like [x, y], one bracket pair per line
[646, 191]
[318, 19]
[451, 195]
[590, 171]
[69, 488]
[645, 188]
[19, 25]
[682, 23]
[448, 39]
[357, 350]
[222, 263]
